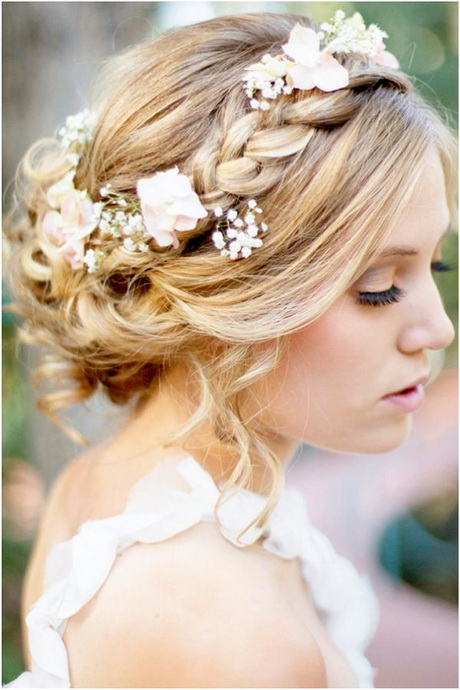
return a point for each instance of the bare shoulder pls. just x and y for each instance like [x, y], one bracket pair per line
[192, 611]
[56, 525]
[57, 522]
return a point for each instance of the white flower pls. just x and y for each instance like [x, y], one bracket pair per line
[249, 219]
[74, 158]
[97, 209]
[58, 191]
[268, 70]
[218, 239]
[232, 215]
[252, 203]
[93, 259]
[218, 212]
[78, 129]
[129, 244]
[169, 204]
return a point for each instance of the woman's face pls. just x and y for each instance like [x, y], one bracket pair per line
[333, 386]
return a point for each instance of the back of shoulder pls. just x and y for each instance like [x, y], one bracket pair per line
[192, 611]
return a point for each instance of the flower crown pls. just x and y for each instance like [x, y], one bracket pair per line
[306, 66]
[166, 203]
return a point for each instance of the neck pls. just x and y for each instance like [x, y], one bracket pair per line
[169, 407]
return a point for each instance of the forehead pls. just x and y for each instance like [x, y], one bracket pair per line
[425, 217]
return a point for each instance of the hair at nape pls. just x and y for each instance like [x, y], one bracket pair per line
[330, 170]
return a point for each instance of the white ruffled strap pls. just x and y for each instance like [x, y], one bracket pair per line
[156, 512]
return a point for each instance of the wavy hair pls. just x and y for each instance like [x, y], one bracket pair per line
[331, 171]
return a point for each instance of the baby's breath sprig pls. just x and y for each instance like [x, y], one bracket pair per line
[236, 237]
[120, 219]
[76, 133]
[308, 61]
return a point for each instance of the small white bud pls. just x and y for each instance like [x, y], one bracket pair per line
[218, 239]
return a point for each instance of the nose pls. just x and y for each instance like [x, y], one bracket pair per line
[429, 326]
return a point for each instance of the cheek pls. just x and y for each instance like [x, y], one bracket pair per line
[339, 356]
[328, 348]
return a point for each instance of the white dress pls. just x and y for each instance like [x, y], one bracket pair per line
[77, 568]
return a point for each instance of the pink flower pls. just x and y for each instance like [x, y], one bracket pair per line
[312, 67]
[384, 58]
[71, 226]
[169, 204]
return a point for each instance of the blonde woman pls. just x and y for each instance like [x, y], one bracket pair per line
[237, 241]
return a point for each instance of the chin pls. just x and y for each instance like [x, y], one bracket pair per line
[367, 442]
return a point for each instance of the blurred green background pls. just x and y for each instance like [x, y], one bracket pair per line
[51, 51]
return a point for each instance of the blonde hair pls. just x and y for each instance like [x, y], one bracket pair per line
[330, 170]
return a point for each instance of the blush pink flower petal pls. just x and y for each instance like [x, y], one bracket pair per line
[52, 224]
[312, 67]
[328, 75]
[73, 251]
[169, 204]
[385, 58]
[303, 46]
[71, 226]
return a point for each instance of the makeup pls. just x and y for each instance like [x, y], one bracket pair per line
[409, 399]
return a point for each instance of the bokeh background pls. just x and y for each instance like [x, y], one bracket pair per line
[394, 515]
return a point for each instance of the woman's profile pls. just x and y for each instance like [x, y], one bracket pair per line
[236, 241]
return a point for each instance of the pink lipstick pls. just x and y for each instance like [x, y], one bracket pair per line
[409, 399]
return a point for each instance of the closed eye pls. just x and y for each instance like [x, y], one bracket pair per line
[382, 298]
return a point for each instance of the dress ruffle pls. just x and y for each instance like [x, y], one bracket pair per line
[344, 599]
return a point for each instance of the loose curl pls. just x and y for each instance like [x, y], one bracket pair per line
[331, 171]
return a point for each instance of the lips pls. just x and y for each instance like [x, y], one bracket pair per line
[409, 398]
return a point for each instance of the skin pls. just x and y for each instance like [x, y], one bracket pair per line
[339, 369]
[329, 389]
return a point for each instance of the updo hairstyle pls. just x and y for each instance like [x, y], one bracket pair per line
[330, 171]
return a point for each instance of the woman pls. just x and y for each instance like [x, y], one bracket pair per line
[238, 240]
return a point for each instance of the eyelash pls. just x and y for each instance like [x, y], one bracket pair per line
[394, 293]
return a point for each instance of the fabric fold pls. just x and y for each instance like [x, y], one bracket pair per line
[77, 569]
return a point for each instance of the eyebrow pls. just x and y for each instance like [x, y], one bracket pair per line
[404, 250]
